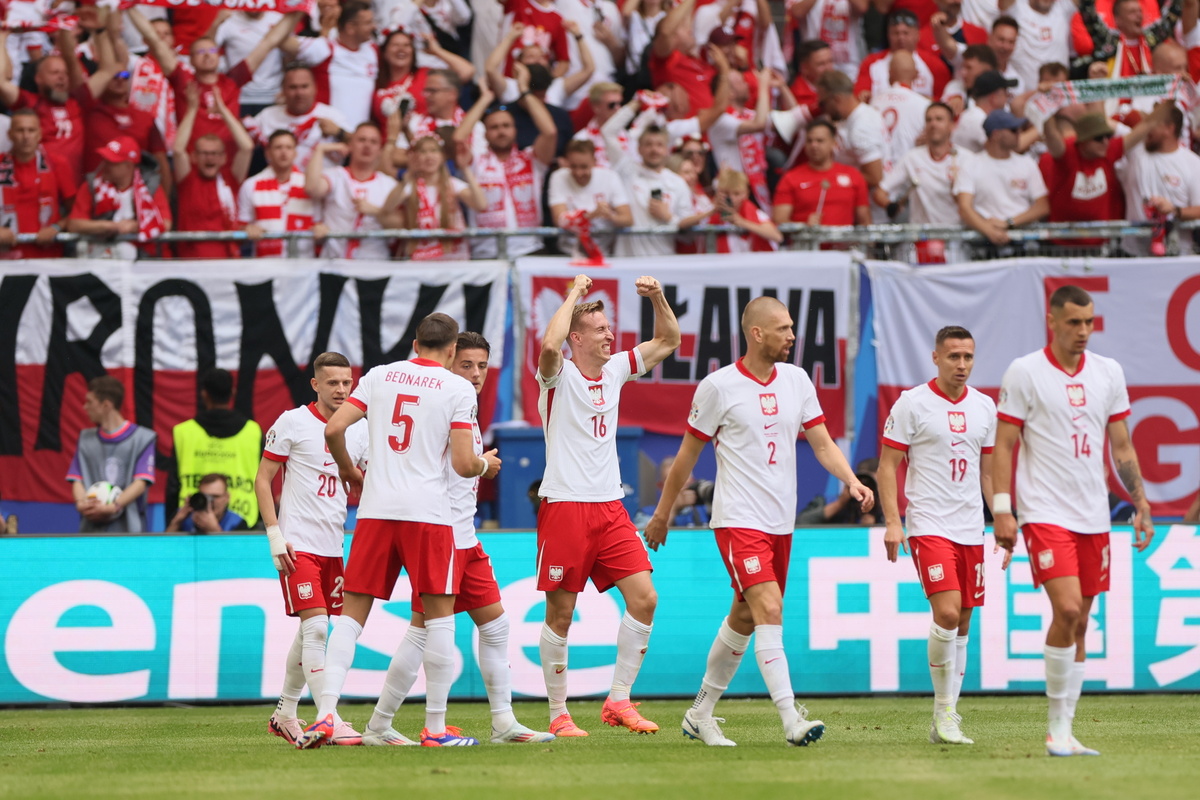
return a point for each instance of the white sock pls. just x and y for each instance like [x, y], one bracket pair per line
[497, 675]
[773, 664]
[960, 666]
[1059, 663]
[553, 651]
[724, 658]
[633, 638]
[439, 671]
[941, 666]
[293, 679]
[401, 674]
[1075, 687]
[339, 655]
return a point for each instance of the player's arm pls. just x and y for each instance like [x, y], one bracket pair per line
[834, 461]
[281, 549]
[464, 460]
[985, 486]
[685, 462]
[335, 437]
[1004, 523]
[1126, 460]
[164, 55]
[551, 358]
[889, 500]
[666, 327]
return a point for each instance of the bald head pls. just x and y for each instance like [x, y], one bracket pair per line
[759, 312]
[1170, 59]
[903, 68]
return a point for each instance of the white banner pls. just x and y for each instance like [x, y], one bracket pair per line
[1147, 318]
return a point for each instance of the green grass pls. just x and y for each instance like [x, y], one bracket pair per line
[873, 747]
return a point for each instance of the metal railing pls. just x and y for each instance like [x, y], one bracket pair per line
[874, 240]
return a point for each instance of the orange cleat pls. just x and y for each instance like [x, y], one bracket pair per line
[623, 713]
[563, 725]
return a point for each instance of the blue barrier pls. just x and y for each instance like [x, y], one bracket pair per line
[156, 618]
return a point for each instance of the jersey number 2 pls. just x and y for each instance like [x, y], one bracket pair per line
[401, 440]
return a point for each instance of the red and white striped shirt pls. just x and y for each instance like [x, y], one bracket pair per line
[277, 207]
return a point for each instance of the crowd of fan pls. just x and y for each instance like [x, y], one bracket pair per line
[584, 115]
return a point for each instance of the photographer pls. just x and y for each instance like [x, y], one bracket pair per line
[207, 511]
[691, 508]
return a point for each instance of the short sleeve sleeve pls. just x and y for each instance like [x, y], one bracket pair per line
[553, 380]
[1037, 184]
[246, 212]
[462, 413]
[811, 413]
[898, 428]
[1015, 395]
[362, 393]
[704, 420]
[313, 50]
[989, 438]
[1119, 407]
[866, 141]
[964, 183]
[626, 366]
[279, 440]
[359, 444]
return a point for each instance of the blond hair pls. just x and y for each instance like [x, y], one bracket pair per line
[582, 310]
[730, 181]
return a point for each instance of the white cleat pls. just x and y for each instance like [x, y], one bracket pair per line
[519, 734]
[1061, 742]
[1078, 749]
[945, 729]
[389, 737]
[805, 731]
[706, 730]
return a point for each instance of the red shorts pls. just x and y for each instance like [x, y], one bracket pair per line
[577, 541]
[754, 557]
[946, 566]
[316, 583]
[1055, 552]
[382, 546]
[477, 587]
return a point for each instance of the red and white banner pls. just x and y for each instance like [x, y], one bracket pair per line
[156, 325]
[1147, 318]
[707, 293]
[282, 6]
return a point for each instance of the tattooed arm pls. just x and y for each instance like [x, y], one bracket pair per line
[1131, 477]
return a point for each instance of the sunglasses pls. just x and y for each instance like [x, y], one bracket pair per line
[614, 104]
[122, 75]
[203, 51]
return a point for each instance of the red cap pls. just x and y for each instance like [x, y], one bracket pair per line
[721, 37]
[120, 149]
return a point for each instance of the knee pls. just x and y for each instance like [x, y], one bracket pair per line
[946, 619]
[559, 619]
[643, 606]
[1070, 615]
[769, 612]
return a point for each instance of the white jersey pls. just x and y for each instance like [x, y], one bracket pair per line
[579, 417]
[237, 36]
[340, 214]
[1064, 420]
[754, 427]
[1003, 187]
[980, 12]
[928, 182]
[411, 407]
[903, 113]
[640, 182]
[968, 132]
[1041, 38]
[348, 76]
[943, 440]
[860, 138]
[835, 22]
[464, 494]
[1174, 175]
[312, 507]
[305, 127]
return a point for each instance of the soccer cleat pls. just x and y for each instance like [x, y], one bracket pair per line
[451, 737]
[563, 726]
[624, 714]
[519, 734]
[345, 736]
[316, 734]
[1078, 749]
[805, 731]
[287, 729]
[387, 737]
[945, 729]
[706, 730]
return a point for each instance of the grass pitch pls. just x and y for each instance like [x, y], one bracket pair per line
[873, 748]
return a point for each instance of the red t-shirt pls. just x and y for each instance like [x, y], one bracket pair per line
[62, 128]
[104, 122]
[542, 27]
[924, 9]
[694, 75]
[806, 94]
[844, 187]
[201, 209]
[34, 201]
[1084, 190]
[190, 22]
[208, 120]
[971, 34]
[413, 86]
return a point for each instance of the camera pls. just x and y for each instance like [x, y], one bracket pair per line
[405, 104]
[199, 502]
[656, 194]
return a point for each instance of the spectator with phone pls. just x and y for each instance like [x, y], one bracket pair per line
[207, 511]
[758, 234]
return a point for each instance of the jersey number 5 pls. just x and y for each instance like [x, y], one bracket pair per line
[401, 440]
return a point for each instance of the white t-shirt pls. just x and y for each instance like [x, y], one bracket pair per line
[340, 215]
[640, 182]
[834, 22]
[1003, 187]
[1174, 175]
[305, 127]
[931, 201]
[411, 16]
[579, 417]
[1041, 38]
[968, 133]
[605, 186]
[980, 12]
[349, 74]
[943, 440]
[411, 407]
[754, 427]
[1064, 420]
[512, 188]
[585, 14]
[903, 113]
[237, 36]
[464, 496]
[312, 506]
[860, 137]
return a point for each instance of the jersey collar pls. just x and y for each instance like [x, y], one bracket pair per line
[742, 369]
[933, 387]
[1054, 362]
[316, 412]
[424, 362]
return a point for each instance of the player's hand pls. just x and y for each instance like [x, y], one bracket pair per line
[647, 286]
[1143, 527]
[1004, 528]
[864, 496]
[583, 284]
[1007, 555]
[894, 541]
[282, 552]
[656, 533]
[352, 480]
[493, 463]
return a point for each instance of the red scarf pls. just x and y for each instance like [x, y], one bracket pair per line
[106, 201]
[429, 218]
[511, 178]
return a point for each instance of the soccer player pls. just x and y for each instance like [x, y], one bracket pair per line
[1061, 403]
[583, 530]
[306, 538]
[419, 426]
[753, 411]
[478, 596]
[946, 430]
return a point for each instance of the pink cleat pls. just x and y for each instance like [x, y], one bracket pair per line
[345, 736]
[287, 729]
[624, 714]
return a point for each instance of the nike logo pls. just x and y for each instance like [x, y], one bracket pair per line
[773, 660]
[958, 443]
[322, 669]
[1076, 417]
[978, 595]
[559, 670]
[330, 463]
[768, 427]
[739, 652]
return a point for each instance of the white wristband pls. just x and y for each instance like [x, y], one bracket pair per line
[277, 544]
[1001, 503]
[485, 468]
